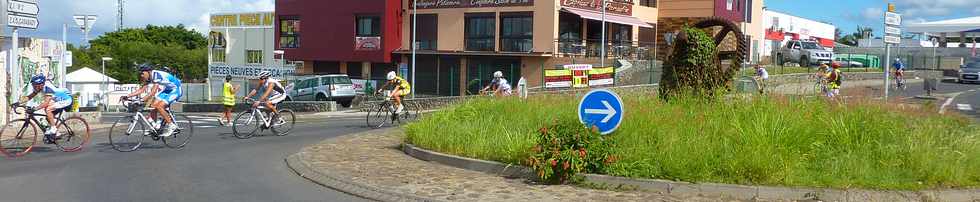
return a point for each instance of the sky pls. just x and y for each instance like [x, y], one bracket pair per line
[845, 14]
[848, 14]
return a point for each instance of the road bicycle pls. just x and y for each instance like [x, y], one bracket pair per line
[900, 82]
[19, 136]
[384, 112]
[820, 85]
[127, 133]
[260, 118]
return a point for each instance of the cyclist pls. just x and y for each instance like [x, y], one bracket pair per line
[899, 72]
[499, 86]
[761, 77]
[273, 92]
[833, 78]
[166, 90]
[400, 88]
[55, 99]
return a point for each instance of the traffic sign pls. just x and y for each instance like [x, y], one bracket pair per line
[602, 109]
[22, 8]
[893, 40]
[22, 21]
[893, 19]
[893, 30]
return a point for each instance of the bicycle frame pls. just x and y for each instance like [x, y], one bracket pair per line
[257, 113]
[31, 115]
[139, 117]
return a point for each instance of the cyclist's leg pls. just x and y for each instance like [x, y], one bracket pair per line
[163, 100]
[272, 101]
[396, 96]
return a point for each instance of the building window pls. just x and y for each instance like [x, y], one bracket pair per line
[729, 4]
[368, 26]
[218, 55]
[516, 32]
[480, 30]
[289, 33]
[427, 30]
[253, 56]
[648, 3]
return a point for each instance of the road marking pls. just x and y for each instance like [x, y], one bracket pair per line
[964, 107]
[948, 102]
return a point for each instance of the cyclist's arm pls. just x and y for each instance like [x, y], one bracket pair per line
[28, 97]
[268, 90]
[153, 91]
[138, 91]
[47, 101]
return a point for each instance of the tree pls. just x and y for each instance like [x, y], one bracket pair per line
[176, 47]
[853, 38]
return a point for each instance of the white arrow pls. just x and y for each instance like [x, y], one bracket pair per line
[609, 111]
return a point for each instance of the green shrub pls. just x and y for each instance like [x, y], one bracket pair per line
[565, 149]
[691, 68]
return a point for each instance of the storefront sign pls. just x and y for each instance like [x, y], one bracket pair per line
[601, 76]
[244, 20]
[621, 7]
[125, 87]
[362, 86]
[367, 43]
[248, 72]
[578, 77]
[430, 4]
[561, 78]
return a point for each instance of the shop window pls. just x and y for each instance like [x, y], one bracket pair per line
[218, 55]
[480, 29]
[648, 3]
[289, 33]
[427, 29]
[253, 56]
[516, 32]
[368, 26]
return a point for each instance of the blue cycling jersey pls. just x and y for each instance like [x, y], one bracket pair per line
[898, 65]
[57, 93]
[166, 80]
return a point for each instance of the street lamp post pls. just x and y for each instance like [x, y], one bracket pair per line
[105, 84]
[415, 22]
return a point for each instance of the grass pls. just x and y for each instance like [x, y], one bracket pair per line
[778, 70]
[768, 141]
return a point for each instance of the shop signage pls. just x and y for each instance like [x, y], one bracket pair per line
[362, 86]
[621, 7]
[578, 77]
[430, 4]
[243, 20]
[367, 43]
[125, 87]
[248, 72]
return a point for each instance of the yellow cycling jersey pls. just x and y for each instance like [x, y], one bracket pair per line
[405, 86]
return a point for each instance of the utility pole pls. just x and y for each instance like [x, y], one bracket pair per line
[415, 22]
[120, 4]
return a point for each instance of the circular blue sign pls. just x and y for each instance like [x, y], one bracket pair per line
[602, 109]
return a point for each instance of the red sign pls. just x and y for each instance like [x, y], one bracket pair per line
[622, 7]
[367, 43]
[429, 4]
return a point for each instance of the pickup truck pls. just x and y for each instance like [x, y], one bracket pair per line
[805, 53]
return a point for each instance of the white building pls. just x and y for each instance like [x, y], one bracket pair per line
[781, 27]
[90, 86]
[242, 45]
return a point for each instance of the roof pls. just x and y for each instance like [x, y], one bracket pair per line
[970, 24]
[86, 75]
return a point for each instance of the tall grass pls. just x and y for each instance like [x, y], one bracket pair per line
[766, 141]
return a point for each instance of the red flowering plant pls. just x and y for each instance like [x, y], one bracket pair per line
[566, 148]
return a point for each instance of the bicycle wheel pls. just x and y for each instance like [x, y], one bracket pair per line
[284, 122]
[410, 113]
[18, 137]
[182, 135]
[76, 134]
[245, 125]
[377, 116]
[127, 134]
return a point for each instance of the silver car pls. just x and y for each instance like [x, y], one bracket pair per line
[805, 53]
[970, 73]
[334, 87]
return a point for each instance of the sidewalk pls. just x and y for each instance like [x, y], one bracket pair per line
[371, 165]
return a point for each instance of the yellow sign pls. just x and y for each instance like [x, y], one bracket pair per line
[243, 19]
[891, 7]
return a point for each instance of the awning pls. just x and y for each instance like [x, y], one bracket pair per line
[613, 18]
[954, 26]
[826, 42]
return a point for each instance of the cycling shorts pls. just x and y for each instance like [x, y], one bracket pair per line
[170, 95]
[276, 99]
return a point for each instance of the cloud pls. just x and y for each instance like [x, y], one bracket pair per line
[191, 13]
[872, 13]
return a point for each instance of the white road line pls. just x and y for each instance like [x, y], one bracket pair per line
[964, 107]
[948, 102]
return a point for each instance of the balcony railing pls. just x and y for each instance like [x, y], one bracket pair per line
[630, 50]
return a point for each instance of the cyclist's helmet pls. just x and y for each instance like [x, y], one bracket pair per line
[265, 74]
[391, 75]
[38, 79]
[835, 65]
[145, 67]
[498, 74]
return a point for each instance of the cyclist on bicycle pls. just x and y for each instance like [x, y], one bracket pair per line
[833, 78]
[400, 88]
[56, 99]
[499, 86]
[166, 90]
[899, 71]
[273, 92]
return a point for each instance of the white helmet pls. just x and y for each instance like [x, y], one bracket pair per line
[264, 74]
[498, 74]
[391, 75]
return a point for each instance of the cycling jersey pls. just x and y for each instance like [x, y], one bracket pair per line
[277, 88]
[406, 88]
[898, 66]
[503, 86]
[57, 93]
[166, 80]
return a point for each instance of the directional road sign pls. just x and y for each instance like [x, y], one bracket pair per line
[894, 19]
[602, 109]
[22, 21]
[893, 40]
[893, 30]
[23, 8]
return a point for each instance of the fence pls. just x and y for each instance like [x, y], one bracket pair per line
[913, 57]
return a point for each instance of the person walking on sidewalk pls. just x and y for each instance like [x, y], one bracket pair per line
[228, 91]
[761, 78]
[834, 80]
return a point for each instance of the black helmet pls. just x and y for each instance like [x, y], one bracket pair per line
[144, 67]
[228, 77]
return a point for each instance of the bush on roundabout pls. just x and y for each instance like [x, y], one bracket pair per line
[565, 148]
[757, 141]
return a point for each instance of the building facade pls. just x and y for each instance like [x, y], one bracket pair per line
[242, 45]
[675, 14]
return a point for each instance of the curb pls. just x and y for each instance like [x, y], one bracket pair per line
[345, 184]
[738, 192]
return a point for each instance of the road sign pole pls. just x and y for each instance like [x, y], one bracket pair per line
[888, 54]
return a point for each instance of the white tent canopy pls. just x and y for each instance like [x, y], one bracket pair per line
[970, 26]
[86, 75]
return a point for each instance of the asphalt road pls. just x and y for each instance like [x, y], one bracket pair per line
[215, 166]
[965, 98]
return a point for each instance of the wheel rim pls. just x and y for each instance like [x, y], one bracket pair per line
[284, 123]
[76, 134]
[245, 125]
[379, 116]
[16, 139]
[127, 135]
[182, 135]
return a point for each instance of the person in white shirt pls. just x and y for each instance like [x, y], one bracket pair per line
[761, 77]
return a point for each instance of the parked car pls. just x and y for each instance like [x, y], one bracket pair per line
[334, 87]
[850, 63]
[806, 53]
[970, 73]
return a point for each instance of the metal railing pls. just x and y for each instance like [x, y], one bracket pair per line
[629, 50]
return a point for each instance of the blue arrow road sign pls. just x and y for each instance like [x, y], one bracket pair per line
[601, 108]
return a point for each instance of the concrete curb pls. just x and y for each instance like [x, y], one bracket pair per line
[345, 184]
[737, 192]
